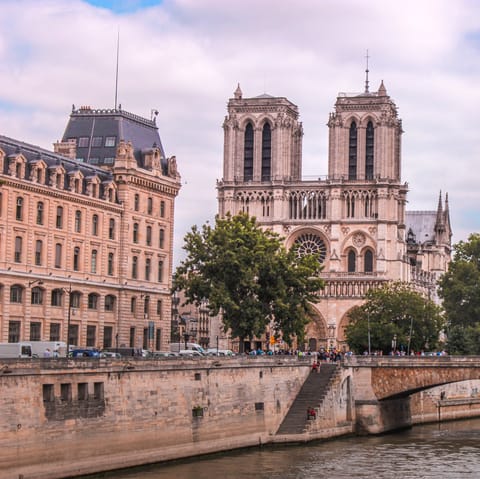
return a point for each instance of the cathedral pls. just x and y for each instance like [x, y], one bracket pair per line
[354, 217]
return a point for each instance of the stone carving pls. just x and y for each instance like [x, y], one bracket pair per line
[358, 239]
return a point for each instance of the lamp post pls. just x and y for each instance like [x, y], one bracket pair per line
[394, 344]
[68, 292]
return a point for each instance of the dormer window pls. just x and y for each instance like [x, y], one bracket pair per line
[110, 141]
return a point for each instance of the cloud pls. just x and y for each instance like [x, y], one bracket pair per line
[185, 58]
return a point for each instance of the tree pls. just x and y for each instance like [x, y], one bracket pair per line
[245, 273]
[459, 287]
[395, 317]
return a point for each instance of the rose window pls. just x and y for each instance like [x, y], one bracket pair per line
[310, 243]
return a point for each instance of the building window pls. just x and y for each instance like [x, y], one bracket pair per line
[66, 392]
[368, 261]
[59, 220]
[161, 240]
[149, 235]
[76, 258]
[158, 340]
[40, 213]
[58, 255]
[133, 304]
[369, 147]
[73, 334]
[83, 142]
[310, 243]
[82, 391]
[131, 342]
[162, 209]
[95, 225]
[93, 301]
[109, 161]
[134, 267]
[248, 154]
[159, 307]
[266, 152]
[16, 292]
[97, 141]
[135, 232]
[91, 335]
[93, 261]
[48, 393]
[37, 295]
[18, 249]
[136, 202]
[352, 260]
[78, 221]
[110, 141]
[57, 295]
[110, 264]
[54, 331]
[75, 299]
[149, 206]
[148, 267]
[160, 271]
[35, 331]
[352, 152]
[146, 306]
[38, 252]
[107, 336]
[111, 229]
[13, 331]
[19, 209]
[98, 391]
[109, 302]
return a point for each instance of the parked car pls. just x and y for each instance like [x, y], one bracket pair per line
[164, 354]
[110, 354]
[220, 352]
[85, 353]
[191, 353]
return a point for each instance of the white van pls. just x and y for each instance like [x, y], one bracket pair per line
[177, 347]
[15, 350]
[58, 349]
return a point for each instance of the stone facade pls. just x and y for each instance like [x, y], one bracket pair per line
[354, 217]
[85, 246]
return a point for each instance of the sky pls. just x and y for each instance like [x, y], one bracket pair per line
[185, 58]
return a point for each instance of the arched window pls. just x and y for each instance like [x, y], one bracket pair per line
[95, 225]
[136, 202]
[369, 147]
[266, 152]
[40, 213]
[134, 267]
[248, 154]
[352, 259]
[93, 261]
[135, 232]
[352, 152]
[78, 221]
[149, 206]
[16, 294]
[19, 209]
[76, 258]
[38, 252]
[368, 261]
[110, 264]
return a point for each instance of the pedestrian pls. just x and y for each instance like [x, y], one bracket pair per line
[46, 354]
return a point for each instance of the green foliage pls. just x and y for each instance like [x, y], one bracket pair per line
[394, 311]
[464, 340]
[245, 273]
[459, 287]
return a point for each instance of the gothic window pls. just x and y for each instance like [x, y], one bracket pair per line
[38, 252]
[266, 152]
[368, 261]
[352, 152]
[352, 260]
[93, 261]
[40, 213]
[248, 154]
[95, 225]
[310, 243]
[369, 144]
[19, 209]
[78, 221]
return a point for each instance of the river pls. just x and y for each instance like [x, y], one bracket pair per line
[442, 451]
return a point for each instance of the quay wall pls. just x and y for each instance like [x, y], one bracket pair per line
[62, 418]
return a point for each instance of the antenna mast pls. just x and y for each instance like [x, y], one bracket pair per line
[116, 73]
[366, 74]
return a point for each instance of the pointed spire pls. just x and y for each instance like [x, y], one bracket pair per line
[366, 74]
[382, 91]
[439, 223]
[238, 93]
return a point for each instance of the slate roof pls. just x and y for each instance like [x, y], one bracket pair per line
[421, 224]
[96, 125]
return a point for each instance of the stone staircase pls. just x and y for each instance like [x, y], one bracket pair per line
[311, 394]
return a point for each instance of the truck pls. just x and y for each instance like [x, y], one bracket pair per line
[57, 349]
[16, 350]
[177, 347]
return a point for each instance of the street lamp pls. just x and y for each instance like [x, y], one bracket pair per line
[394, 344]
[69, 293]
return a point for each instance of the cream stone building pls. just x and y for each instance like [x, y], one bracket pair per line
[86, 234]
[355, 217]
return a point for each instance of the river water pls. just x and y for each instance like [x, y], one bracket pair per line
[441, 451]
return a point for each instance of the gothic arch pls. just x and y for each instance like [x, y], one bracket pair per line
[316, 337]
[310, 240]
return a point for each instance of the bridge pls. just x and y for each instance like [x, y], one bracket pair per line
[382, 385]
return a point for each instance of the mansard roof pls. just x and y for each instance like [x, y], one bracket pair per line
[101, 131]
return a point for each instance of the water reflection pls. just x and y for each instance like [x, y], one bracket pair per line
[440, 451]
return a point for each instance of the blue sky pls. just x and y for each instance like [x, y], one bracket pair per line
[186, 57]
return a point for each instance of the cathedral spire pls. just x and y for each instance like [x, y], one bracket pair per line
[366, 74]
[238, 93]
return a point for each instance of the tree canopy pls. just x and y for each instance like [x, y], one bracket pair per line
[459, 288]
[396, 318]
[246, 274]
